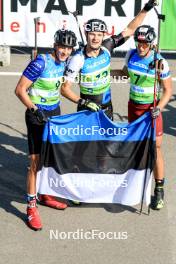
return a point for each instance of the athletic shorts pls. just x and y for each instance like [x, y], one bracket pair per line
[35, 129]
[137, 110]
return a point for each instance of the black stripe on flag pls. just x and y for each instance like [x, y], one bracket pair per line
[99, 156]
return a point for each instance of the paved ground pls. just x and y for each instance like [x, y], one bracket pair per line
[150, 239]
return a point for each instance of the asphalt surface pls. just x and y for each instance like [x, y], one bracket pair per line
[149, 238]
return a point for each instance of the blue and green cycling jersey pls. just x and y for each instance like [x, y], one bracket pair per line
[142, 77]
[47, 77]
[93, 73]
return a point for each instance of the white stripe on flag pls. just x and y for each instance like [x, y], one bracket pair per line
[124, 188]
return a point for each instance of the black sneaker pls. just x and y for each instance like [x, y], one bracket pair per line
[158, 200]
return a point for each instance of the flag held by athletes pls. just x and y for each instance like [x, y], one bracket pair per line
[88, 158]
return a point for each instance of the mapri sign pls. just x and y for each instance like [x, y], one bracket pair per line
[17, 20]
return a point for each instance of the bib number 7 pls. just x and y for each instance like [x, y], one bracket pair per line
[137, 78]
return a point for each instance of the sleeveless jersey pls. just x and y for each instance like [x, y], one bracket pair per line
[47, 77]
[142, 77]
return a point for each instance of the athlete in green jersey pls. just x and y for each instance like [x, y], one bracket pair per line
[39, 90]
[140, 68]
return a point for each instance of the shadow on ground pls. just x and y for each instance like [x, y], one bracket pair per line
[13, 170]
[169, 118]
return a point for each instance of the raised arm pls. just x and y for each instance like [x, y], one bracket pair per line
[118, 40]
[137, 21]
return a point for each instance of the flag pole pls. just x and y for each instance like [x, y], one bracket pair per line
[75, 14]
[160, 17]
[157, 64]
[34, 50]
[144, 185]
[148, 165]
[156, 51]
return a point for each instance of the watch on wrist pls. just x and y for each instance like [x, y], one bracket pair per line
[33, 109]
[81, 102]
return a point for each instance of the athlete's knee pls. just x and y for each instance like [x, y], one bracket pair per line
[34, 163]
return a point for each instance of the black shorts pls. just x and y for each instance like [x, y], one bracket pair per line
[35, 130]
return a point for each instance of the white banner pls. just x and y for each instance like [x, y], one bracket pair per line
[17, 19]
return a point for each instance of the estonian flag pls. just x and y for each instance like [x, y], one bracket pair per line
[88, 158]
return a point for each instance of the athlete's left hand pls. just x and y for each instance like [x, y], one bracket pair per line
[40, 115]
[155, 112]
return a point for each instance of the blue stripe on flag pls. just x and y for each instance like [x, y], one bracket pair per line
[88, 126]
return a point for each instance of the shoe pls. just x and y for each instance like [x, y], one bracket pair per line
[158, 200]
[50, 201]
[33, 219]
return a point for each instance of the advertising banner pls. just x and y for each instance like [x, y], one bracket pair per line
[17, 18]
[168, 29]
